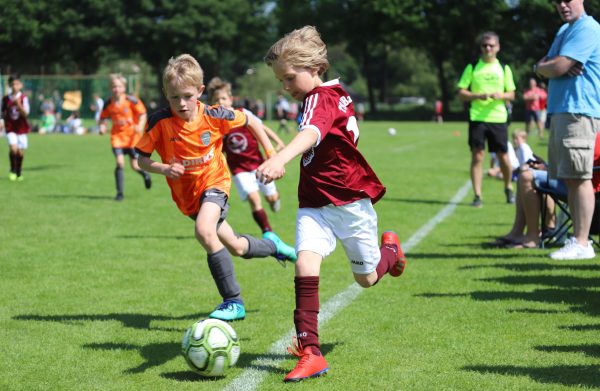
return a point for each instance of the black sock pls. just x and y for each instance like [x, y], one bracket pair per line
[259, 248]
[19, 164]
[221, 268]
[119, 179]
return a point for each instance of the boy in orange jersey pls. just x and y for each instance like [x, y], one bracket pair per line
[188, 136]
[128, 116]
[244, 157]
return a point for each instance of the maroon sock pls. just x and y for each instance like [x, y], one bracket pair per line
[260, 216]
[307, 312]
[19, 164]
[387, 261]
[13, 161]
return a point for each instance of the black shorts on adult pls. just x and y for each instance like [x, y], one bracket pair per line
[496, 135]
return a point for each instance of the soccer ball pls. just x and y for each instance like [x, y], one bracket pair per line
[210, 347]
[392, 131]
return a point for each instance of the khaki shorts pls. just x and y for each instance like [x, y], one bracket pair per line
[571, 146]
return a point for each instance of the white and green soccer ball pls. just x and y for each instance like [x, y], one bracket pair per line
[210, 347]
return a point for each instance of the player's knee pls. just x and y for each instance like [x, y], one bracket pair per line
[205, 235]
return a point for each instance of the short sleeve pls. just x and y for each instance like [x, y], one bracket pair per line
[146, 145]
[466, 78]
[318, 114]
[509, 81]
[580, 43]
[239, 119]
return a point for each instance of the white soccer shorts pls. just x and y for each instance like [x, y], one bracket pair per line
[246, 183]
[20, 140]
[355, 225]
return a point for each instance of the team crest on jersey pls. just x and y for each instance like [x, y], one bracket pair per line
[237, 142]
[308, 157]
[205, 138]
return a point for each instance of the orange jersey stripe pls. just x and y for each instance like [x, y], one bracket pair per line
[197, 146]
[124, 114]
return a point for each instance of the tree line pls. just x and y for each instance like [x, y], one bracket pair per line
[381, 48]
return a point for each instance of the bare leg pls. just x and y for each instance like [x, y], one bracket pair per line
[477, 170]
[581, 204]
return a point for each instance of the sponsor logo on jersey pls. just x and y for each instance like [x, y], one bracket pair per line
[205, 138]
[174, 139]
[344, 103]
[190, 164]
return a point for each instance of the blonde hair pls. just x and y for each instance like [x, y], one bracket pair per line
[520, 133]
[119, 77]
[216, 84]
[302, 48]
[183, 70]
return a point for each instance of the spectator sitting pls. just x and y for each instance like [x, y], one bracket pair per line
[74, 124]
[518, 155]
[47, 122]
[496, 171]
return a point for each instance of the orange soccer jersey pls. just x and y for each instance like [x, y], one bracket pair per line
[124, 114]
[197, 146]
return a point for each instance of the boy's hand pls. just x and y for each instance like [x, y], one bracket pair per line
[270, 170]
[174, 171]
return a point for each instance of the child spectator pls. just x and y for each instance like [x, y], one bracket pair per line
[244, 156]
[47, 122]
[336, 191]
[128, 116]
[188, 136]
[15, 112]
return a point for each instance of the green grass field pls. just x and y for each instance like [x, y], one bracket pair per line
[95, 294]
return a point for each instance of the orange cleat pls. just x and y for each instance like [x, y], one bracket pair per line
[310, 364]
[390, 238]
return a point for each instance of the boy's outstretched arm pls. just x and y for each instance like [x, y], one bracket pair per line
[173, 170]
[274, 167]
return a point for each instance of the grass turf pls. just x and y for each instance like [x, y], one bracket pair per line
[96, 294]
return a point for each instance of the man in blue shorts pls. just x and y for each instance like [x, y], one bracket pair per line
[573, 67]
[487, 86]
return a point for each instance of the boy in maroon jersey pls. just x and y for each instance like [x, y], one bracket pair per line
[336, 191]
[244, 157]
[15, 110]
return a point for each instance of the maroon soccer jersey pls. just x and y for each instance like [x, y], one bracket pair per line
[241, 148]
[14, 122]
[334, 171]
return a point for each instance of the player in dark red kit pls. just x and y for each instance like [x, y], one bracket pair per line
[244, 157]
[15, 110]
[336, 192]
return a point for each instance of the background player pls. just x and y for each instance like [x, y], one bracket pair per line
[336, 191]
[188, 136]
[244, 157]
[128, 116]
[15, 111]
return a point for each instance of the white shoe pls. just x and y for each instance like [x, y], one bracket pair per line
[573, 251]
[276, 206]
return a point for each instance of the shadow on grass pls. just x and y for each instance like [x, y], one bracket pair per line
[415, 201]
[78, 196]
[154, 354]
[136, 321]
[568, 375]
[557, 281]
[45, 167]
[260, 362]
[590, 350]
[171, 237]
[527, 267]
[459, 256]
[580, 300]
[581, 327]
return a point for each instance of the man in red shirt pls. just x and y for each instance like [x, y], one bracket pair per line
[534, 97]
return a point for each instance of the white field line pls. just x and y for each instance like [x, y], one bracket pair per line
[251, 378]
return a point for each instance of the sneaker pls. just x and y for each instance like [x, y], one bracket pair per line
[147, 181]
[477, 202]
[276, 206]
[310, 364]
[228, 311]
[284, 252]
[573, 251]
[510, 196]
[20, 178]
[12, 176]
[119, 197]
[390, 239]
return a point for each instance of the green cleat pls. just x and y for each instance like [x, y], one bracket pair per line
[12, 176]
[229, 311]
[284, 252]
